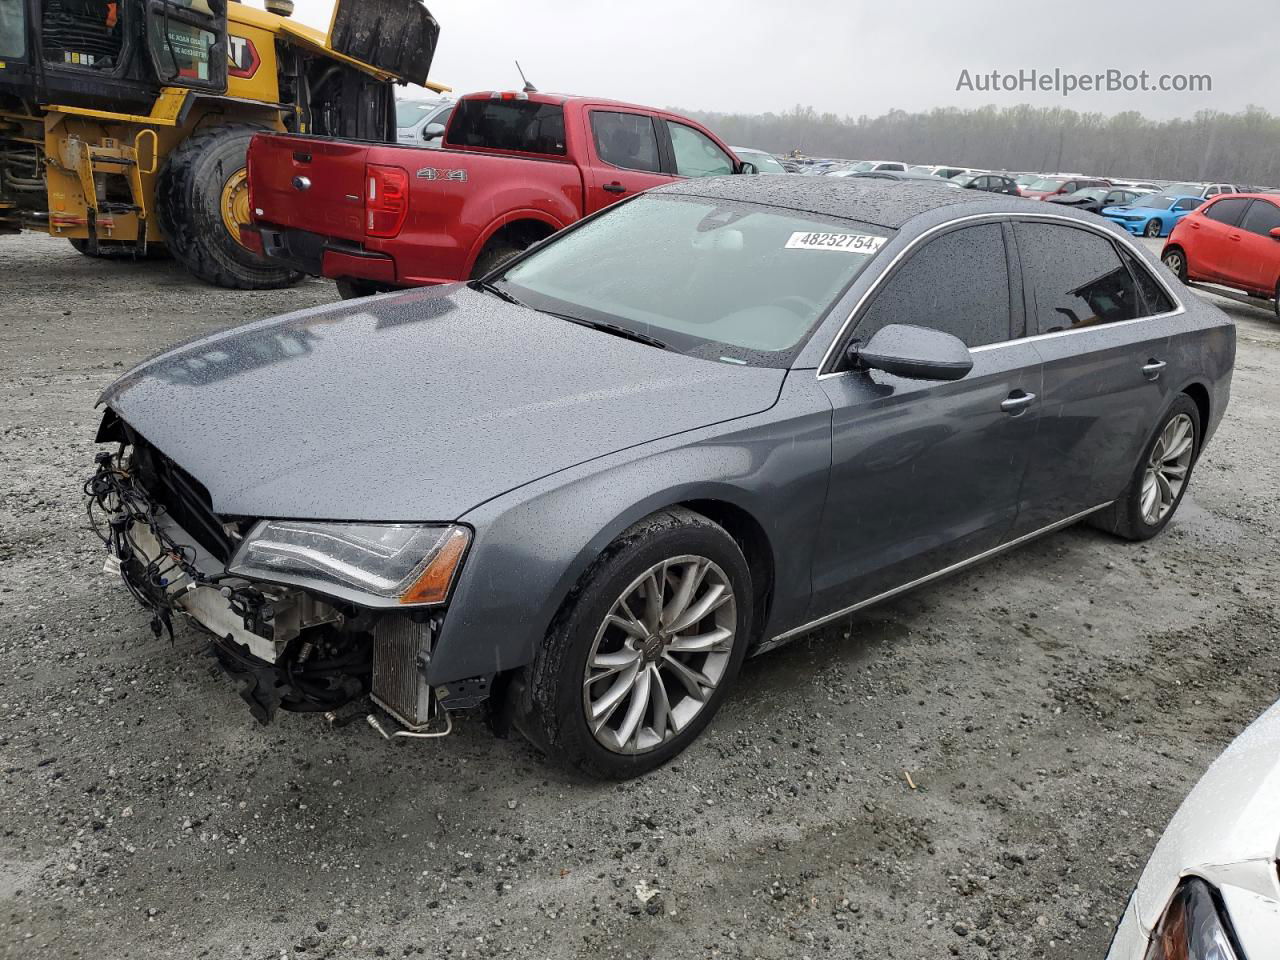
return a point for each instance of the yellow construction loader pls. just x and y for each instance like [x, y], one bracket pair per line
[124, 123]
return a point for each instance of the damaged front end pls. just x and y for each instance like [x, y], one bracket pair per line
[307, 617]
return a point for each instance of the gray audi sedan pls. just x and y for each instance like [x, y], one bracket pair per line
[574, 495]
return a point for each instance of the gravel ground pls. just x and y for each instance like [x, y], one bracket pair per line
[1050, 709]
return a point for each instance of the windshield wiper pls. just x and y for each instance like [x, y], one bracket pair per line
[489, 287]
[616, 329]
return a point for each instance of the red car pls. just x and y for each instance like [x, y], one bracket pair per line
[1047, 187]
[1233, 240]
[513, 169]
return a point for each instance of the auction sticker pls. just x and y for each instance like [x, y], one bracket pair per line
[848, 242]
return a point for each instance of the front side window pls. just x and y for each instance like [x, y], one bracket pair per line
[626, 140]
[1187, 203]
[1075, 278]
[957, 283]
[721, 280]
[1227, 211]
[13, 24]
[1262, 218]
[519, 126]
[697, 154]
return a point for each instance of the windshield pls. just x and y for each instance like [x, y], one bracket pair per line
[765, 162]
[963, 179]
[863, 166]
[12, 42]
[408, 112]
[1046, 183]
[1091, 193]
[1194, 189]
[920, 168]
[1026, 179]
[721, 280]
[1158, 202]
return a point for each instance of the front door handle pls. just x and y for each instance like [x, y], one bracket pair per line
[1151, 369]
[614, 187]
[1017, 402]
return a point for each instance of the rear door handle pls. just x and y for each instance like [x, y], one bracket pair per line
[1151, 369]
[614, 187]
[1017, 402]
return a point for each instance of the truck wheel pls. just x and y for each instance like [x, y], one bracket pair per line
[491, 258]
[350, 288]
[202, 197]
[638, 661]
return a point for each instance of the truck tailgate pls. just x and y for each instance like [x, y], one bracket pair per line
[303, 183]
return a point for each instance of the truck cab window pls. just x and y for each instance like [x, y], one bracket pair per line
[82, 33]
[12, 30]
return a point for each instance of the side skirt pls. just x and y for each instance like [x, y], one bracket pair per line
[795, 632]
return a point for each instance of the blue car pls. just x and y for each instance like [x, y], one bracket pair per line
[1154, 215]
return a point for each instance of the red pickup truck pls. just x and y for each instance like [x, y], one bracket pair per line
[513, 169]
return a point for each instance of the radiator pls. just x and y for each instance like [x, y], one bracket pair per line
[400, 649]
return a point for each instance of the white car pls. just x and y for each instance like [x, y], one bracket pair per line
[1211, 890]
[422, 122]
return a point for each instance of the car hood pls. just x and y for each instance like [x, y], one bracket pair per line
[1232, 816]
[414, 406]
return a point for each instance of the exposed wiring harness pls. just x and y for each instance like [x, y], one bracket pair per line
[116, 504]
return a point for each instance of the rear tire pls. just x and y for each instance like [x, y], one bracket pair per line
[1275, 301]
[560, 703]
[1176, 260]
[491, 258]
[1130, 516]
[351, 289]
[196, 192]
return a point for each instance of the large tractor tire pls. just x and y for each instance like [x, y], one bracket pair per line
[202, 196]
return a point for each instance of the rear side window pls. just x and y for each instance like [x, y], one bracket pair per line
[697, 154]
[521, 126]
[957, 283]
[1227, 211]
[1262, 218]
[1153, 295]
[626, 140]
[1074, 278]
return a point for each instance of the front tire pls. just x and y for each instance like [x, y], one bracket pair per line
[1176, 261]
[1160, 480]
[201, 199]
[641, 658]
[1154, 228]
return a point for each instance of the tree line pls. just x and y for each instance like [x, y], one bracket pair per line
[1232, 147]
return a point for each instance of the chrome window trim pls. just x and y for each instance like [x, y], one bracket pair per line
[927, 578]
[1179, 307]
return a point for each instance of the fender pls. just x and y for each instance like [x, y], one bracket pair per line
[526, 213]
[534, 543]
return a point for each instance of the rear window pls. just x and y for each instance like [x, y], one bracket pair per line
[521, 126]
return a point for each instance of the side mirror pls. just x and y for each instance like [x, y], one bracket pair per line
[433, 131]
[917, 353]
[746, 166]
[1274, 233]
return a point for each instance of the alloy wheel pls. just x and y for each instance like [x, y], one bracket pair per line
[1154, 228]
[1167, 469]
[1173, 260]
[660, 654]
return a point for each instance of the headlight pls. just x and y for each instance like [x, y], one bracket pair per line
[375, 564]
[1193, 927]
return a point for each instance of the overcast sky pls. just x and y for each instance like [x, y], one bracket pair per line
[854, 57]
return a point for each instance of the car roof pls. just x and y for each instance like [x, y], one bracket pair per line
[889, 203]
